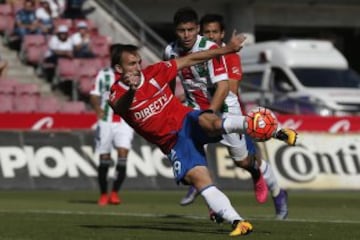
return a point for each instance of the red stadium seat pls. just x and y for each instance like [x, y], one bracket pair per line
[73, 107]
[86, 84]
[27, 89]
[89, 71]
[91, 62]
[6, 17]
[6, 9]
[33, 48]
[7, 89]
[6, 103]
[67, 69]
[25, 103]
[7, 86]
[100, 40]
[33, 40]
[89, 67]
[100, 46]
[101, 50]
[48, 104]
[106, 62]
[9, 25]
[35, 54]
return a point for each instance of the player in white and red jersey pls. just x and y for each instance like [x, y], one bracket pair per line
[212, 26]
[200, 81]
[145, 101]
[111, 131]
[206, 86]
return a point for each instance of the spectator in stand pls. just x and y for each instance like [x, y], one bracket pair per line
[60, 46]
[81, 41]
[57, 7]
[25, 20]
[73, 9]
[44, 16]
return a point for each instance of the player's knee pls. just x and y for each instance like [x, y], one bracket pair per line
[199, 177]
[246, 162]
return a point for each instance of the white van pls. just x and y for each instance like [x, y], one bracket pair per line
[299, 76]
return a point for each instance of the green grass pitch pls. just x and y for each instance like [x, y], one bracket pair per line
[67, 215]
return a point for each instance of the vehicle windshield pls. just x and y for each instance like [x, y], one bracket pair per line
[328, 78]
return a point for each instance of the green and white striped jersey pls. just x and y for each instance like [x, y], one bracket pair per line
[103, 82]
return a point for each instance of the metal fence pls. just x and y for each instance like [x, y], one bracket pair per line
[147, 37]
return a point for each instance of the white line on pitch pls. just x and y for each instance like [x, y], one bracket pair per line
[151, 215]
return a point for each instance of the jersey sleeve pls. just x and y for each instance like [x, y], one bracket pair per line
[233, 64]
[169, 70]
[166, 53]
[216, 67]
[96, 87]
[169, 52]
[164, 71]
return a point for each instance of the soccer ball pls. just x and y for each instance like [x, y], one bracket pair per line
[261, 124]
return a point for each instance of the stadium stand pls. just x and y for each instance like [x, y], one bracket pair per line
[6, 105]
[6, 16]
[66, 22]
[67, 69]
[33, 49]
[48, 104]
[26, 87]
[90, 24]
[25, 103]
[6, 89]
[7, 86]
[85, 85]
[73, 107]
[89, 67]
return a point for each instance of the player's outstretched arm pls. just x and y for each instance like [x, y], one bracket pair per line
[235, 44]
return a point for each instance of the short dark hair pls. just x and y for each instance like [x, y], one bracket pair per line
[210, 18]
[185, 15]
[117, 49]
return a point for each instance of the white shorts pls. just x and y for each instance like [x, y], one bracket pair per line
[236, 143]
[113, 134]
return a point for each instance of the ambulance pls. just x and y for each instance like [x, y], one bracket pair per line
[299, 77]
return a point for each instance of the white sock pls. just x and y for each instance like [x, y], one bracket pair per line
[220, 203]
[269, 178]
[234, 124]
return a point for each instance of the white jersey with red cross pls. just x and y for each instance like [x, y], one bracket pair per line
[199, 80]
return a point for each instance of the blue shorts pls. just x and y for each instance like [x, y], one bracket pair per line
[250, 145]
[188, 151]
